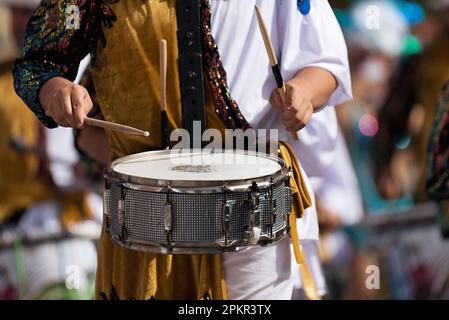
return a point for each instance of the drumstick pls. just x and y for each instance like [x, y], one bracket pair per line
[101, 123]
[273, 60]
[163, 80]
[115, 126]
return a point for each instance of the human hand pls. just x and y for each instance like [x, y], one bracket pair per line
[66, 102]
[296, 110]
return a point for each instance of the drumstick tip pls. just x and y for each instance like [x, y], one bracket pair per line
[256, 8]
[146, 134]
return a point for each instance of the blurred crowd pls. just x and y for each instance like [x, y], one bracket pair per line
[50, 201]
[50, 191]
[398, 52]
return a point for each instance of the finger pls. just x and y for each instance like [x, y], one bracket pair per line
[53, 105]
[54, 111]
[65, 103]
[289, 118]
[301, 108]
[275, 99]
[81, 105]
[289, 95]
[294, 114]
[64, 124]
[59, 118]
[82, 112]
[288, 115]
[295, 127]
[307, 117]
[302, 122]
[291, 123]
[296, 120]
[305, 120]
[49, 111]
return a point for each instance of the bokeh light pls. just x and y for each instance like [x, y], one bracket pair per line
[368, 125]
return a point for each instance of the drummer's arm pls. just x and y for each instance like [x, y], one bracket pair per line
[313, 50]
[315, 83]
[307, 92]
[43, 74]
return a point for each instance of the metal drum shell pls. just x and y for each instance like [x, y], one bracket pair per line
[193, 188]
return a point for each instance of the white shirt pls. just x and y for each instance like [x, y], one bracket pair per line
[299, 41]
[326, 161]
[338, 189]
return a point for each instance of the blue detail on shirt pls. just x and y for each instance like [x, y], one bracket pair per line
[304, 6]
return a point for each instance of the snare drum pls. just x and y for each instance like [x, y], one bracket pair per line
[197, 201]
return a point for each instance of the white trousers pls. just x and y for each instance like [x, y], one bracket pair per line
[269, 273]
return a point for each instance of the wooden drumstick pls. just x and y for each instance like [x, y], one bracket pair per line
[163, 70]
[273, 61]
[106, 124]
[163, 80]
[115, 126]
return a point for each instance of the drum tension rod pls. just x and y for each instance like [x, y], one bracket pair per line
[168, 218]
[107, 201]
[289, 192]
[226, 215]
[253, 232]
[273, 209]
[121, 213]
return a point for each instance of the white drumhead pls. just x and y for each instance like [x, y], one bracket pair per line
[197, 166]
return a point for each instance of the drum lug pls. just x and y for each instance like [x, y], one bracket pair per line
[288, 198]
[253, 235]
[288, 205]
[121, 213]
[168, 218]
[288, 176]
[273, 209]
[273, 212]
[106, 206]
[226, 220]
[226, 215]
[107, 200]
[254, 230]
[107, 182]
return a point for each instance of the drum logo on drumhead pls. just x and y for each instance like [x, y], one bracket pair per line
[194, 168]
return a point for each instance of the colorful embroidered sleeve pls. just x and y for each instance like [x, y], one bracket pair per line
[59, 35]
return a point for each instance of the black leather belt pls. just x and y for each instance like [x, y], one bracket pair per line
[188, 14]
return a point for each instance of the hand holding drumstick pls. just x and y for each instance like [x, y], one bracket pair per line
[281, 92]
[69, 104]
[301, 96]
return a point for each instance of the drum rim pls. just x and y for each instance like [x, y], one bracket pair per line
[149, 184]
[212, 247]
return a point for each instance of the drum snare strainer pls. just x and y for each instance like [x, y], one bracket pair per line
[195, 201]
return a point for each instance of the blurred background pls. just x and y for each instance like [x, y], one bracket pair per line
[51, 196]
